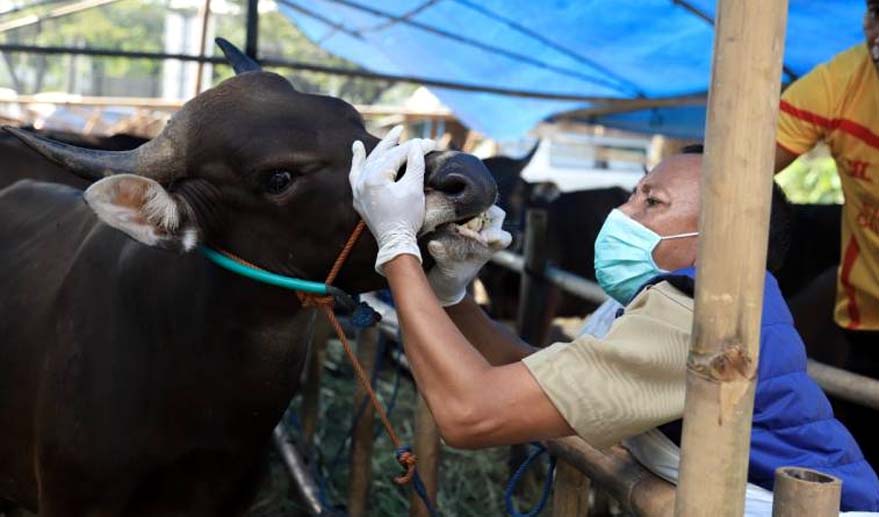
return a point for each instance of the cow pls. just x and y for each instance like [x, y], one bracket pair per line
[138, 378]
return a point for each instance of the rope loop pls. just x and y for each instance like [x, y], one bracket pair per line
[407, 460]
[517, 476]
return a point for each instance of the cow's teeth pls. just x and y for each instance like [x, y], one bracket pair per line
[477, 223]
[467, 232]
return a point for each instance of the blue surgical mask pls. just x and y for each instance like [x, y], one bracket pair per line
[624, 255]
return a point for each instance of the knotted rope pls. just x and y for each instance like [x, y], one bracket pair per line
[325, 303]
[365, 317]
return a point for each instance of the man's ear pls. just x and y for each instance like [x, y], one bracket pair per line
[144, 210]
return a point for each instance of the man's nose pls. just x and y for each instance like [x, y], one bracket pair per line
[627, 208]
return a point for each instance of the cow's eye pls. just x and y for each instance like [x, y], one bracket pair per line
[277, 182]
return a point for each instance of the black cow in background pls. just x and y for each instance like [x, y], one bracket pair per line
[573, 222]
[575, 218]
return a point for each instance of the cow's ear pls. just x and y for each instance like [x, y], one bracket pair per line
[143, 209]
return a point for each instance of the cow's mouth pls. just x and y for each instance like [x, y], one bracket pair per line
[443, 214]
[468, 229]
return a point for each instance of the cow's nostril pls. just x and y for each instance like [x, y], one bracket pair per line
[452, 184]
[463, 180]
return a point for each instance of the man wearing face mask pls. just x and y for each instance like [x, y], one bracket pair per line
[838, 103]
[487, 388]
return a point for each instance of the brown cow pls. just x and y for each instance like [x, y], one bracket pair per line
[136, 381]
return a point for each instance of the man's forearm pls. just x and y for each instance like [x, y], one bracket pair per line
[446, 366]
[498, 344]
[474, 404]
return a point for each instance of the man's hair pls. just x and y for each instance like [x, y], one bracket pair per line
[780, 220]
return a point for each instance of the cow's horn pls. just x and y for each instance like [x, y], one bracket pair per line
[239, 60]
[94, 164]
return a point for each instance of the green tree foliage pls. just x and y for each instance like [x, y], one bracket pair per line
[812, 178]
[139, 25]
[112, 26]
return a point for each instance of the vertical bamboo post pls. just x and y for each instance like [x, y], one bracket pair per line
[205, 13]
[532, 301]
[570, 496]
[736, 193]
[533, 289]
[800, 491]
[311, 383]
[363, 436]
[427, 450]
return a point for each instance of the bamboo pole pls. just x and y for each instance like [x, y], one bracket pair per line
[54, 14]
[638, 490]
[363, 436]
[736, 189]
[311, 382]
[800, 491]
[67, 99]
[205, 14]
[570, 496]
[303, 483]
[427, 451]
[534, 287]
[846, 385]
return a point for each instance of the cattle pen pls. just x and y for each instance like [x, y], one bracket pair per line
[722, 366]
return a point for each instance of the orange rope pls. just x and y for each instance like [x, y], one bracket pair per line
[325, 304]
[346, 250]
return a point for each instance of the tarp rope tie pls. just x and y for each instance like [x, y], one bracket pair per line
[517, 476]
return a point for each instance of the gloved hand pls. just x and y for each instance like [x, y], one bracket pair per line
[460, 255]
[393, 210]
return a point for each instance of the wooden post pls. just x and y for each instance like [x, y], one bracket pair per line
[427, 451]
[639, 491]
[533, 289]
[360, 473]
[205, 13]
[736, 193]
[532, 300]
[570, 496]
[801, 491]
[311, 383]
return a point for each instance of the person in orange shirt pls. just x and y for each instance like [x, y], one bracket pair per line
[838, 103]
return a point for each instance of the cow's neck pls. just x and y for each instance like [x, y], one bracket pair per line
[236, 339]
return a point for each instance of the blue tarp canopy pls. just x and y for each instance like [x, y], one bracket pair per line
[596, 48]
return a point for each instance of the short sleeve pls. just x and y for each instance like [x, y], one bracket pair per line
[632, 380]
[806, 110]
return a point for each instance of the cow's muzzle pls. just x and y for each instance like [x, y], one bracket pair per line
[458, 187]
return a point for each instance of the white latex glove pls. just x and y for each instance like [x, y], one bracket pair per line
[460, 255]
[393, 210]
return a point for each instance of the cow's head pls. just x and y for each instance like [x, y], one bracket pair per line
[258, 169]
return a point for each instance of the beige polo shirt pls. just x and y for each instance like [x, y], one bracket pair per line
[629, 382]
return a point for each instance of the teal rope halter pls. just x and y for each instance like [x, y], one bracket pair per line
[266, 277]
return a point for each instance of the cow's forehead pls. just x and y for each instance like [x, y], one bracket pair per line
[262, 100]
[272, 93]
